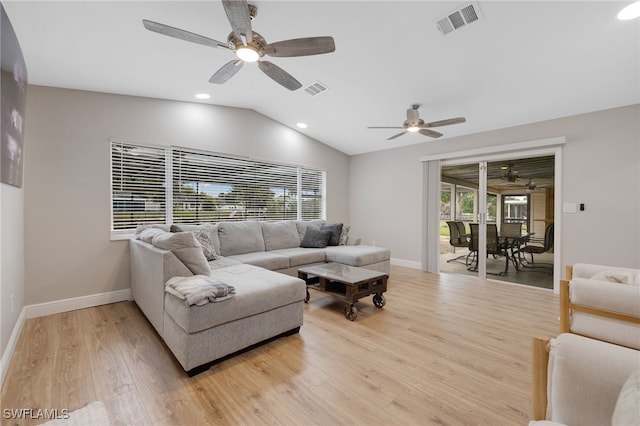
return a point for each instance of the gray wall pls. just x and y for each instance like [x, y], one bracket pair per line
[11, 259]
[600, 167]
[67, 240]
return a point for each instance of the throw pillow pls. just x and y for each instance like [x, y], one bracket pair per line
[204, 238]
[344, 235]
[621, 277]
[336, 230]
[626, 411]
[314, 238]
[186, 248]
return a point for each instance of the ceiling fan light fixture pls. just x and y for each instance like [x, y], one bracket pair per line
[247, 54]
[630, 12]
[413, 129]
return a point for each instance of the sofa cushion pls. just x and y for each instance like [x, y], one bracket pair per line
[303, 225]
[222, 262]
[336, 230]
[186, 248]
[280, 235]
[264, 259]
[240, 237]
[302, 256]
[316, 238]
[257, 290]
[357, 255]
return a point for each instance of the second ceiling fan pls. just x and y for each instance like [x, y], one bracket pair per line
[249, 46]
[414, 124]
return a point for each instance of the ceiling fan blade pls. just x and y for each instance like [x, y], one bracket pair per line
[227, 71]
[182, 34]
[375, 127]
[395, 136]
[279, 75]
[430, 133]
[301, 47]
[447, 122]
[239, 18]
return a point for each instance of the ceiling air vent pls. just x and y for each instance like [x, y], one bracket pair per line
[316, 88]
[457, 19]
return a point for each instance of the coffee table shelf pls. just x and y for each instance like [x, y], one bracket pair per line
[347, 284]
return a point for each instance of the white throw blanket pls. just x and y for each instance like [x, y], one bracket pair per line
[199, 289]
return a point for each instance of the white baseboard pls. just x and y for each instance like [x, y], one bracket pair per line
[66, 305]
[11, 346]
[406, 263]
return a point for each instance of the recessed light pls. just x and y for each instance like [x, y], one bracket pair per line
[630, 12]
[203, 96]
[301, 125]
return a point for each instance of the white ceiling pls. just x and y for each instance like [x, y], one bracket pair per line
[522, 62]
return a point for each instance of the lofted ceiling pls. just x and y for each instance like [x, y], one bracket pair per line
[521, 62]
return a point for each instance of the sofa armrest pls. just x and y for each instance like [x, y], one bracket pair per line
[151, 267]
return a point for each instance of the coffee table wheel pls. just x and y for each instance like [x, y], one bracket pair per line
[351, 312]
[306, 298]
[379, 301]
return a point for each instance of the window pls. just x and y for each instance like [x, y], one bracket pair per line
[208, 187]
[138, 194]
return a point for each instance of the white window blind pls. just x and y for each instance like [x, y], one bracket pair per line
[138, 191]
[209, 187]
[312, 184]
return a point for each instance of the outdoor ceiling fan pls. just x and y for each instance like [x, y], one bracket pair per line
[249, 46]
[414, 124]
[511, 174]
[530, 186]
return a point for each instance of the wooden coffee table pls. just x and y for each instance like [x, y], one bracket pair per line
[346, 283]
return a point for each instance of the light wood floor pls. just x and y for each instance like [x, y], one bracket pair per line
[445, 350]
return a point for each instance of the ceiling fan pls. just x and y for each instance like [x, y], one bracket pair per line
[249, 46]
[530, 186]
[415, 124]
[511, 174]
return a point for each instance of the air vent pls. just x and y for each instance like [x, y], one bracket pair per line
[457, 19]
[316, 88]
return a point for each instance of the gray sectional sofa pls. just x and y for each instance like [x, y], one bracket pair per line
[259, 259]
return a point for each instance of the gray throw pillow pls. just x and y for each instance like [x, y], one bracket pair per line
[314, 238]
[336, 230]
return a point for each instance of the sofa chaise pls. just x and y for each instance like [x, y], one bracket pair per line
[259, 259]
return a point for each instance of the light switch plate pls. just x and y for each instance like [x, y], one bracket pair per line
[569, 208]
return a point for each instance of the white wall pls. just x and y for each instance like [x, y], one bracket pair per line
[68, 252]
[600, 167]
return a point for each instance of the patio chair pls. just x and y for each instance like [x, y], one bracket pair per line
[536, 247]
[458, 238]
[493, 243]
[511, 229]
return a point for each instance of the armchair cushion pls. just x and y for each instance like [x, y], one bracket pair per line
[612, 297]
[585, 377]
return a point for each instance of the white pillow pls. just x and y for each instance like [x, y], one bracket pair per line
[627, 410]
[614, 276]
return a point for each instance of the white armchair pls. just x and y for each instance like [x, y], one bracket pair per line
[590, 373]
